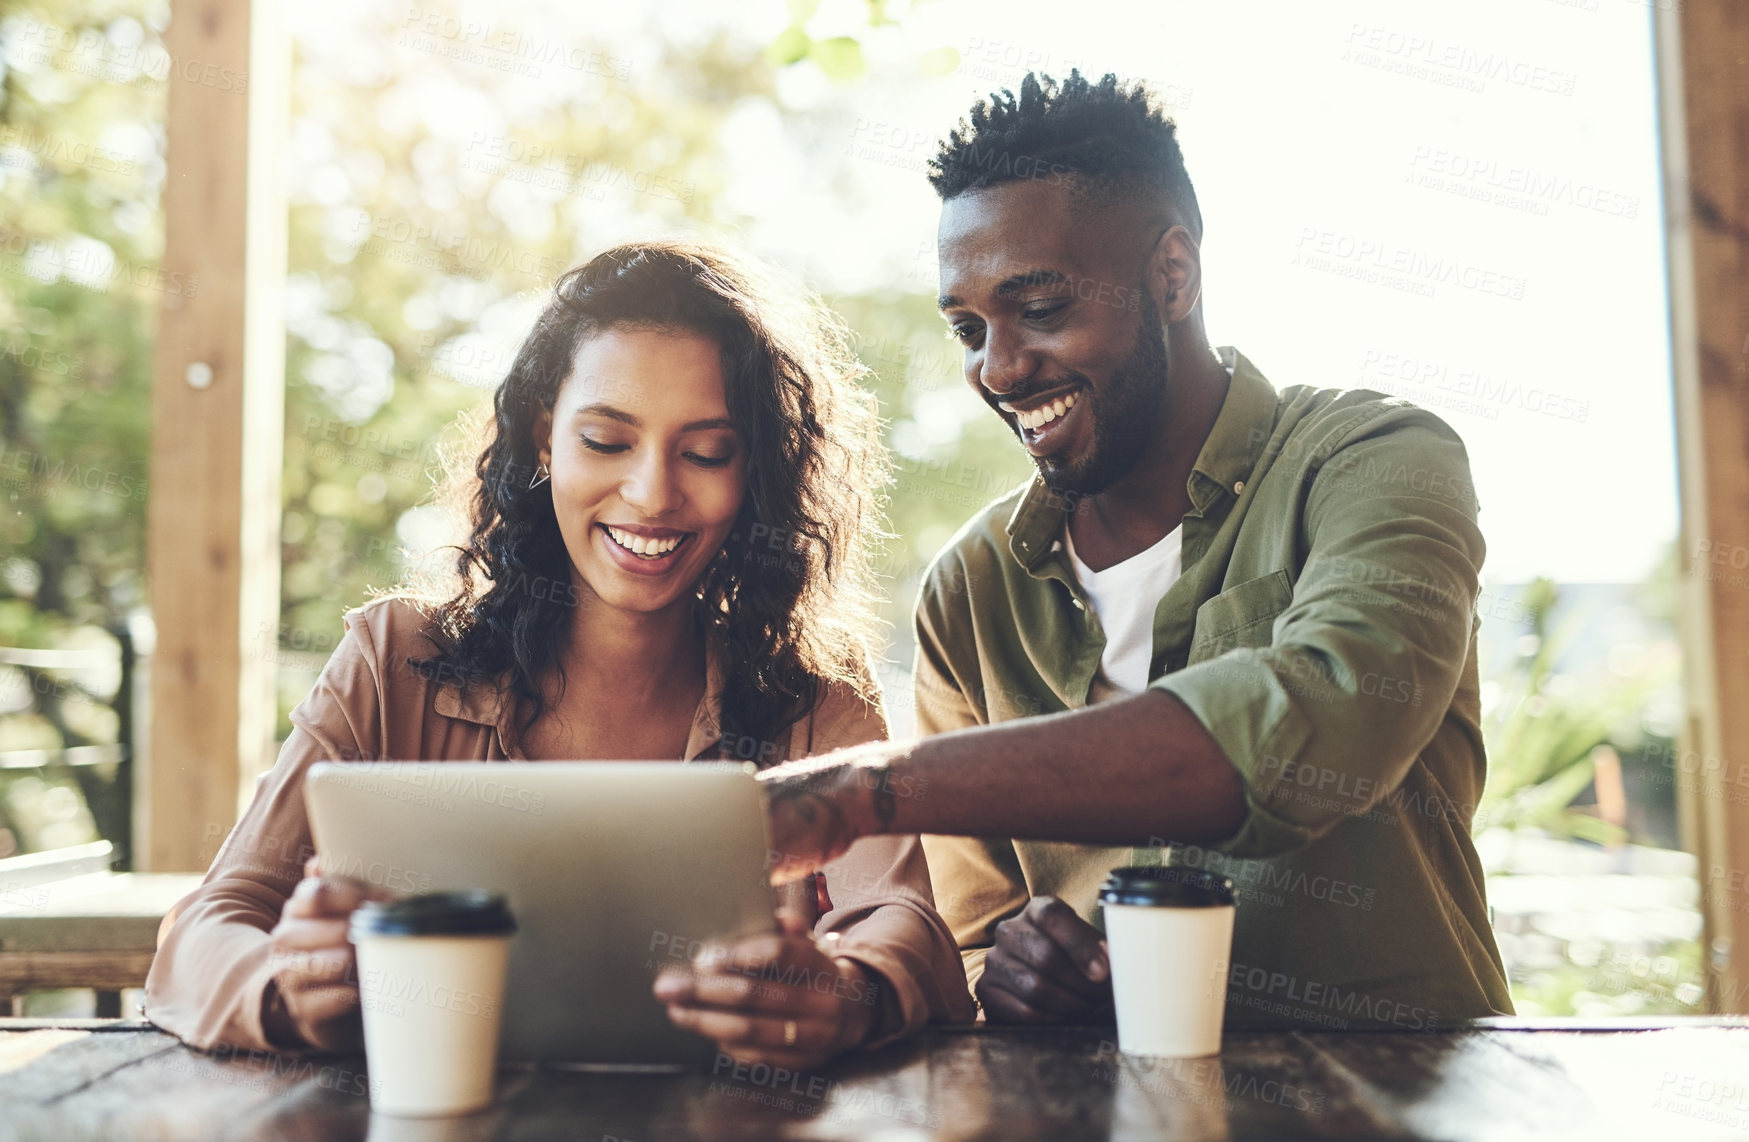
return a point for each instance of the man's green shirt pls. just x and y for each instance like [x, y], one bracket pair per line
[1323, 631]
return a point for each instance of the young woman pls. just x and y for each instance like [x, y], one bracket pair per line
[668, 560]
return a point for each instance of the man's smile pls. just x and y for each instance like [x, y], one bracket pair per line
[1043, 420]
[1042, 414]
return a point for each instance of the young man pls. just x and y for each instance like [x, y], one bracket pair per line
[1224, 617]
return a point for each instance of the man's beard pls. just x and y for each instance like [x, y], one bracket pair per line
[1124, 412]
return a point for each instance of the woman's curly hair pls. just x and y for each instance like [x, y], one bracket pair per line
[790, 597]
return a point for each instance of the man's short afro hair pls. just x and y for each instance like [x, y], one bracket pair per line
[1115, 139]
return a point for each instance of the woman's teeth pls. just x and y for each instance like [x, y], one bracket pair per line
[1039, 417]
[641, 545]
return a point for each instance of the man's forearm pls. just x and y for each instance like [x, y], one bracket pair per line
[1125, 772]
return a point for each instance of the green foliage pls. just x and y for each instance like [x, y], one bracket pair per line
[79, 188]
[1544, 731]
[81, 168]
[839, 57]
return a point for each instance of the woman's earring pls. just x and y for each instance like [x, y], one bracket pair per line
[541, 476]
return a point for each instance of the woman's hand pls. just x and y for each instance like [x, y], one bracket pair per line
[313, 1000]
[775, 999]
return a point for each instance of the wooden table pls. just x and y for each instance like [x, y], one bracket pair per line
[1502, 1080]
[99, 931]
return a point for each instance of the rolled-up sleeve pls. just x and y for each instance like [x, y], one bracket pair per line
[882, 912]
[1361, 665]
[214, 969]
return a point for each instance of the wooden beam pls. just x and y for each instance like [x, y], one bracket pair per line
[218, 428]
[23, 972]
[1703, 88]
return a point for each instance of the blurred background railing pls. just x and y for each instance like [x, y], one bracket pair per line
[79, 790]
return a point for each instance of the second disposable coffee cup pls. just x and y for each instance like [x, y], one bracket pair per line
[431, 975]
[1170, 935]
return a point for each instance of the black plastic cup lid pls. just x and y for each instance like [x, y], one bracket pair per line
[1168, 887]
[474, 912]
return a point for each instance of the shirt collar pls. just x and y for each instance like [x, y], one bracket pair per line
[478, 702]
[1242, 428]
[1228, 455]
[487, 704]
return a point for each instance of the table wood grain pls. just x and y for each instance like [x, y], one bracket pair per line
[1504, 1079]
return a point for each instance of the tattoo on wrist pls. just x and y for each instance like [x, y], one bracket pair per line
[885, 803]
[813, 808]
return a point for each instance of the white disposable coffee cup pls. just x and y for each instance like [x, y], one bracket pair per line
[431, 975]
[1170, 935]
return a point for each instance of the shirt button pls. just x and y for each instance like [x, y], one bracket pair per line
[1239, 488]
[1079, 605]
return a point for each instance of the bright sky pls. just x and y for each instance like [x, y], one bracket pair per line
[1529, 210]
[1457, 203]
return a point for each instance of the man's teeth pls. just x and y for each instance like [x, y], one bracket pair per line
[1044, 414]
[641, 545]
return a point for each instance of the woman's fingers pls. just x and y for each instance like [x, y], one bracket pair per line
[320, 990]
[309, 950]
[329, 896]
[301, 969]
[793, 941]
[769, 971]
[311, 934]
[800, 997]
[735, 1030]
[753, 952]
[315, 970]
[774, 998]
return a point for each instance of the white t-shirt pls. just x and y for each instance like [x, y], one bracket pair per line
[1125, 597]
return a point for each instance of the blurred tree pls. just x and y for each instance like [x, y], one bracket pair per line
[81, 165]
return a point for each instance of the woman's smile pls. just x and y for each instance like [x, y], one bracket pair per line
[645, 550]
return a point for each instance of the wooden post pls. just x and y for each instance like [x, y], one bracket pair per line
[218, 429]
[1704, 108]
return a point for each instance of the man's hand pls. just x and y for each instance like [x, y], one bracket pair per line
[316, 978]
[776, 999]
[1047, 966]
[818, 807]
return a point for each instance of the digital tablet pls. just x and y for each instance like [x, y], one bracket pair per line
[613, 870]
